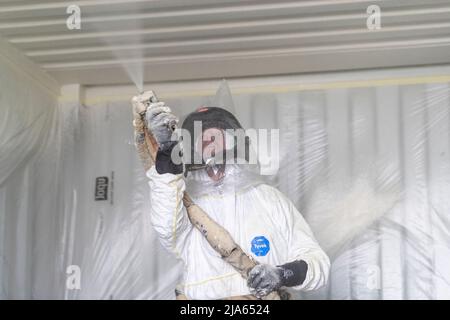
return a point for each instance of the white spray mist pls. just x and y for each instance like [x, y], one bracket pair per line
[134, 69]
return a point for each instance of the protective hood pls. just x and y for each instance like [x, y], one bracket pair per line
[206, 118]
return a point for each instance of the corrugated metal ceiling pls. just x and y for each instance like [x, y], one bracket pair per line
[198, 39]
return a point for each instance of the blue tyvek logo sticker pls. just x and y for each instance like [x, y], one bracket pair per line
[260, 246]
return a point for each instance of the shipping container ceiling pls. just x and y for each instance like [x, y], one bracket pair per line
[204, 39]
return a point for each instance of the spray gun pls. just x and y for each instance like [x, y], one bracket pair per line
[147, 98]
[143, 101]
[149, 109]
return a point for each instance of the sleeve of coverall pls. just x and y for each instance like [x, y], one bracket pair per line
[303, 246]
[168, 214]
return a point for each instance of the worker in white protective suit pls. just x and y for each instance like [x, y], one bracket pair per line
[260, 218]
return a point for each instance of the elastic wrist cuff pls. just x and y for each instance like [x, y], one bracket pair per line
[293, 273]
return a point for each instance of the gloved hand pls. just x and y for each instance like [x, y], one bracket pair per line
[264, 278]
[159, 118]
[161, 122]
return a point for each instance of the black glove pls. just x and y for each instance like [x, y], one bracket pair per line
[164, 163]
[265, 278]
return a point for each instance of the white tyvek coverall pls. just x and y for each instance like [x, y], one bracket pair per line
[260, 211]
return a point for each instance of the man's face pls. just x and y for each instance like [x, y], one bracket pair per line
[212, 145]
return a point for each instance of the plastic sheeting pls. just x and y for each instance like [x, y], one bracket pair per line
[367, 167]
[29, 164]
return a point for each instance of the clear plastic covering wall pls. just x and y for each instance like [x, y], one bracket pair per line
[368, 167]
